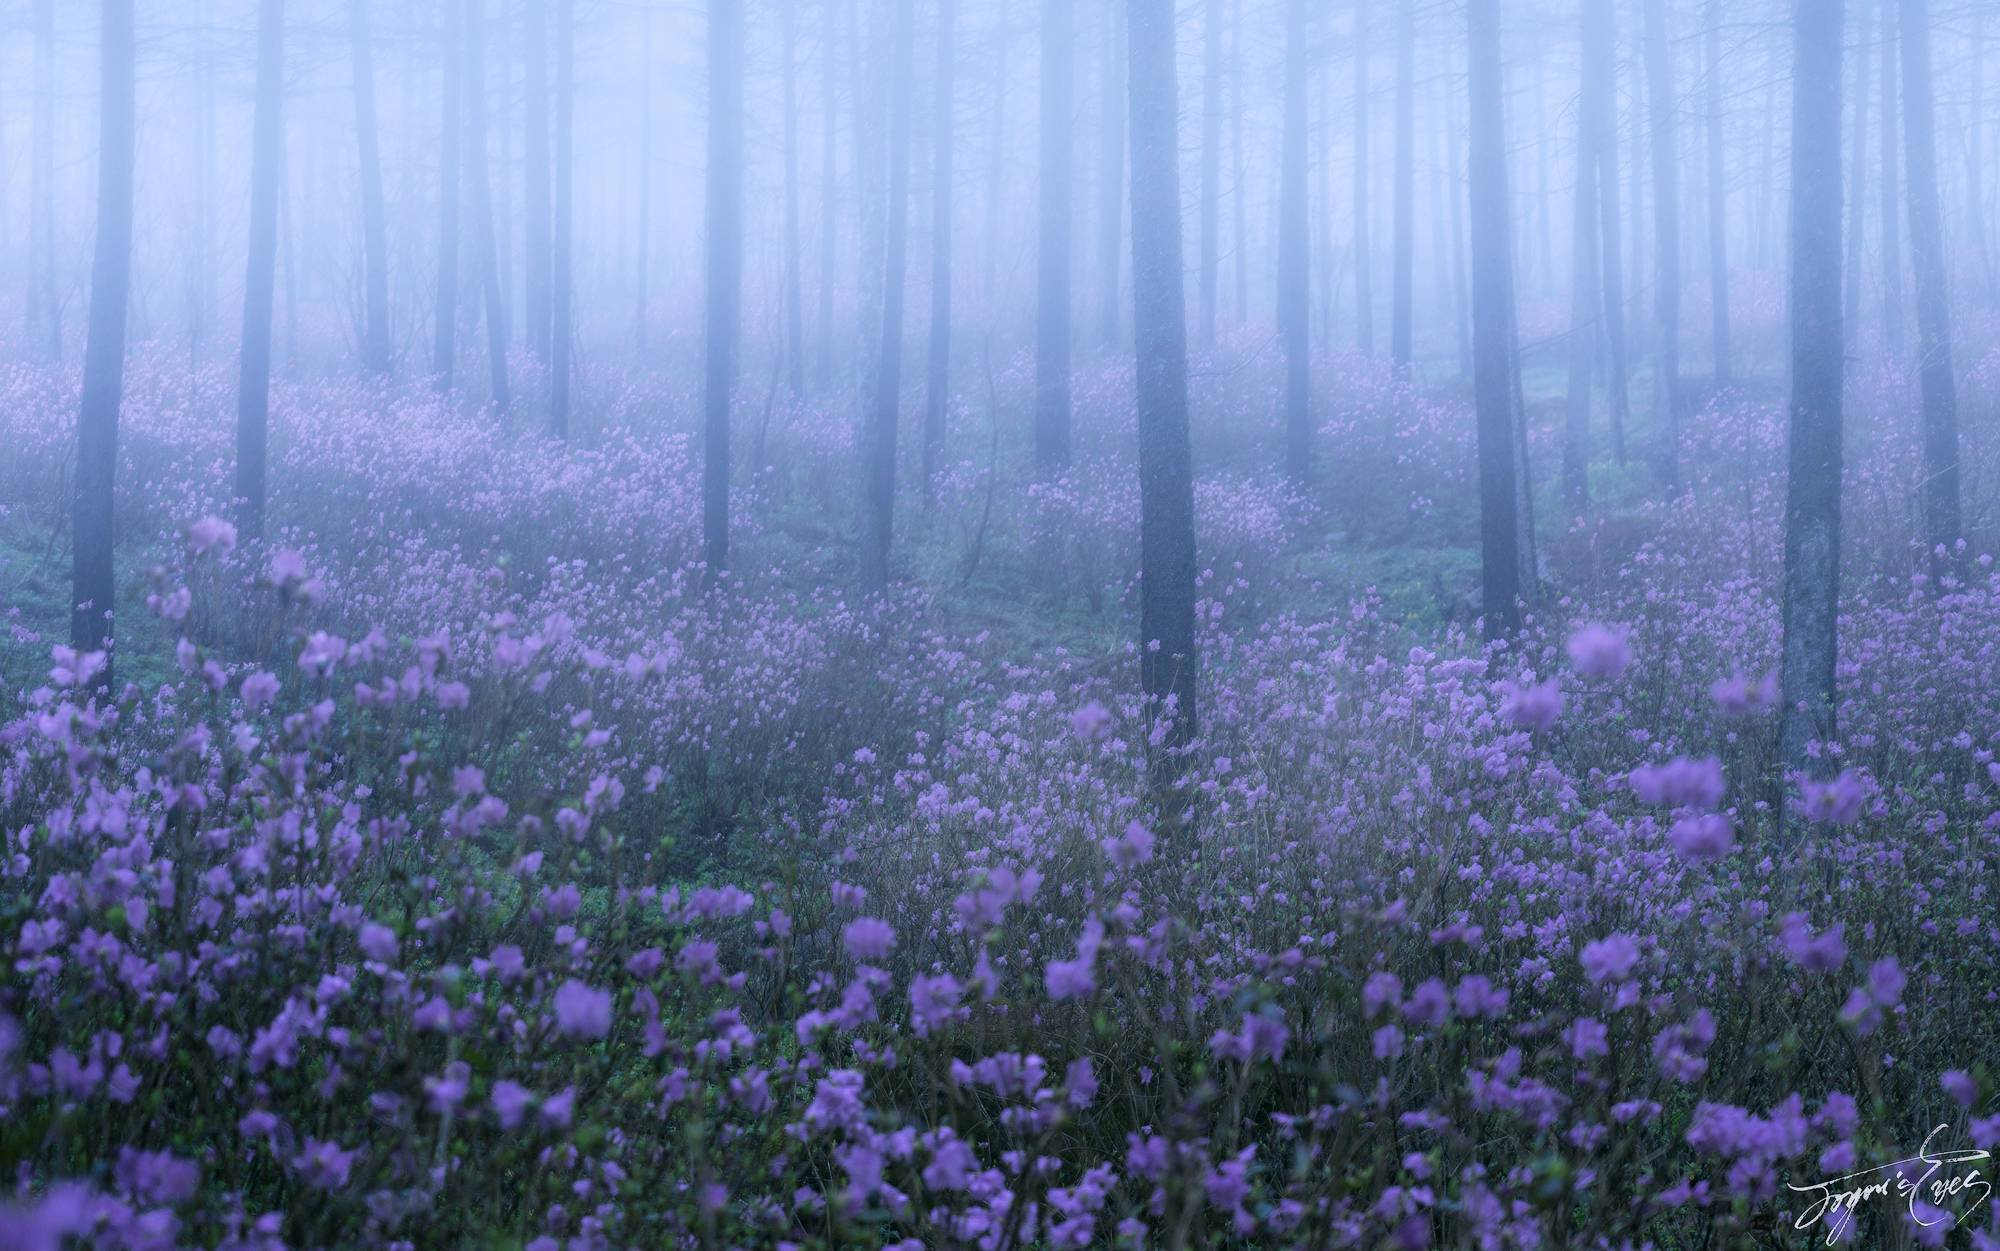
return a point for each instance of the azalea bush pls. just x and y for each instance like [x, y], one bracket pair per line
[469, 873]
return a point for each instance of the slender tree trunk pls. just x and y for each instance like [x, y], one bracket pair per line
[1111, 175]
[1211, 165]
[561, 280]
[1364, 291]
[44, 313]
[1927, 260]
[1294, 263]
[253, 394]
[1169, 662]
[938, 391]
[1493, 360]
[535, 162]
[93, 584]
[445, 343]
[724, 228]
[374, 216]
[1718, 208]
[1052, 312]
[1600, 44]
[1403, 275]
[1666, 236]
[996, 170]
[1892, 225]
[1812, 494]
[1857, 211]
[829, 192]
[1240, 266]
[480, 182]
[1585, 300]
[1461, 296]
[201, 293]
[878, 438]
[641, 272]
[795, 312]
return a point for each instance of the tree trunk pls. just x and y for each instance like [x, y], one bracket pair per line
[1857, 211]
[1364, 291]
[1240, 265]
[481, 184]
[641, 304]
[445, 343]
[878, 438]
[1927, 260]
[1168, 660]
[1403, 275]
[938, 391]
[1718, 210]
[725, 263]
[1493, 362]
[374, 216]
[1461, 301]
[1211, 165]
[253, 393]
[1052, 314]
[795, 312]
[535, 162]
[1294, 298]
[92, 582]
[997, 156]
[1666, 237]
[829, 184]
[1812, 493]
[561, 281]
[1111, 177]
[1892, 225]
[1600, 44]
[1584, 297]
[44, 313]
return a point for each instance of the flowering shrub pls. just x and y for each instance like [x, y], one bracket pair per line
[469, 872]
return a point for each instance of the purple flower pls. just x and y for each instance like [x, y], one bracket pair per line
[1429, 1004]
[582, 1011]
[1476, 996]
[1702, 836]
[868, 938]
[1092, 721]
[1259, 1037]
[510, 1103]
[1131, 849]
[211, 534]
[1074, 979]
[1960, 1086]
[1531, 707]
[1886, 982]
[378, 943]
[1610, 958]
[1599, 651]
[1815, 954]
[1838, 802]
[1682, 782]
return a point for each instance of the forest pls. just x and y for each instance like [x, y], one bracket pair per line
[999, 625]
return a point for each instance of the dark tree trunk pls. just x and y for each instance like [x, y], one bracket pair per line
[1052, 313]
[1111, 177]
[997, 154]
[1600, 45]
[535, 163]
[795, 311]
[829, 183]
[1294, 264]
[561, 281]
[1812, 494]
[1927, 260]
[1494, 381]
[1666, 237]
[374, 217]
[878, 437]
[1892, 224]
[1857, 210]
[1240, 263]
[725, 262]
[1364, 290]
[253, 393]
[1211, 165]
[1585, 300]
[44, 313]
[481, 183]
[1718, 209]
[92, 583]
[445, 344]
[938, 391]
[1168, 661]
[1402, 276]
[1461, 298]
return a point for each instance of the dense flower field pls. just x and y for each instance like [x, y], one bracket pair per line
[456, 871]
